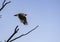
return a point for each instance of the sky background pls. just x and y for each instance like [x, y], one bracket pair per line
[45, 13]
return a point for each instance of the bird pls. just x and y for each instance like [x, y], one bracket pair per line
[22, 17]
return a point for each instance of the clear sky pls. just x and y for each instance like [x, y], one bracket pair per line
[45, 13]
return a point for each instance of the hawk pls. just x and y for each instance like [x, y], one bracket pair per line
[22, 18]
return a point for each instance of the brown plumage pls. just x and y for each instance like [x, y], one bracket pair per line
[22, 18]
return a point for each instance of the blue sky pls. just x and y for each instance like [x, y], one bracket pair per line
[45, 13]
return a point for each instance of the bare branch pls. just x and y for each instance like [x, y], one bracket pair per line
[24, 34]
[15, 31]
[0, 41]
[0, 16]
[4, 4]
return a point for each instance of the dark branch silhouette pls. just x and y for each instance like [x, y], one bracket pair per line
[23, 34]
[0, 16]
[15, 31]
[4, 4]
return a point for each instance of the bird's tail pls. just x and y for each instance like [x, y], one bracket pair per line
[25, 22]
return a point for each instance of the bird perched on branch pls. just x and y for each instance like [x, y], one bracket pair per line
[22, 18]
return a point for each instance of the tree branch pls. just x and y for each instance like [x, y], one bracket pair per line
[4, 4]
[0, 16]
[15, 31]
[24, 34]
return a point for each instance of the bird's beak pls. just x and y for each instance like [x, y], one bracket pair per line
[15, 15]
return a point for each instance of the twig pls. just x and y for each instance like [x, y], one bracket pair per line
[24, 34]
[15, 31]
[4, 4]
[0, 16]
